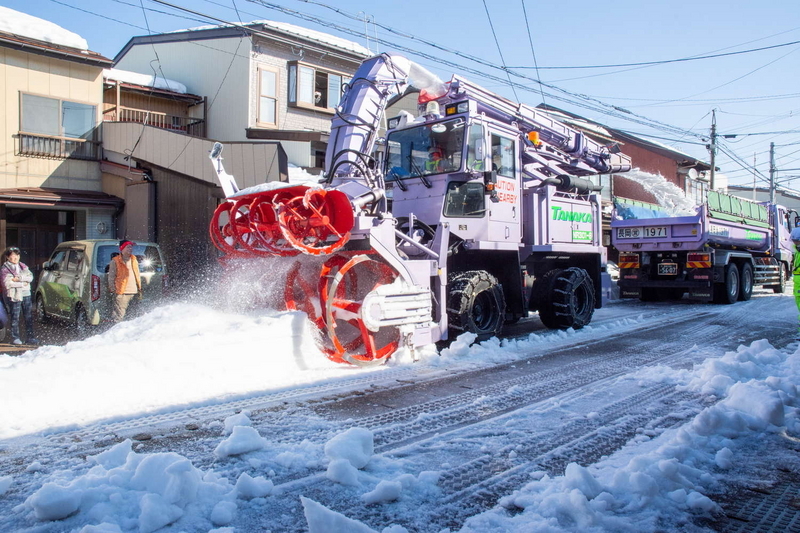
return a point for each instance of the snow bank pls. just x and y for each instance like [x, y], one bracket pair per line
[757, 390]
[126, 490]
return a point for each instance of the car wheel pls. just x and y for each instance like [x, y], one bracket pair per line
[41, 314]
[81, 320]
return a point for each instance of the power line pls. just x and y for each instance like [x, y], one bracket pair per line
[665, 61]
[499, 50]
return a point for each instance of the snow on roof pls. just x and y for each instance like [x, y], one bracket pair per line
[146, 80]
[306, 33]
[32, 27]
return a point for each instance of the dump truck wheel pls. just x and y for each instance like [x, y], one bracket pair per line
[728, 291]
[746, 282]
[569, 302]
[475, 304]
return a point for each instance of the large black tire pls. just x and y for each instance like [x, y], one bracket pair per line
[780, 288]
[569, 300]
[727, 292]
[475, 304]
[746, 280]
[541, 288]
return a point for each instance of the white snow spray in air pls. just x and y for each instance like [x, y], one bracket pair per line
[667, 194]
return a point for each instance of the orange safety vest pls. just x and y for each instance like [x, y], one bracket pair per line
[121, 281]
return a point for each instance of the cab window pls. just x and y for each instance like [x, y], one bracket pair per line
[465, 200]
[503, 156]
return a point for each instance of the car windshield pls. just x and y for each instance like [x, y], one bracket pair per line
[148, 256]
[424, 150]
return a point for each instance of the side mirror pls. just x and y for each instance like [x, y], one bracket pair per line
[46, 265]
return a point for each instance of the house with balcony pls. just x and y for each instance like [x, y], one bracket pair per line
[265, 80]
[88, 151]
[51, 186]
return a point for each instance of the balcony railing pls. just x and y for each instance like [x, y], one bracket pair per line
[56, 147]
[189, 125]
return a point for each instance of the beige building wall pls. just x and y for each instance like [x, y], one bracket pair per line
[22, 72]
[215, 68]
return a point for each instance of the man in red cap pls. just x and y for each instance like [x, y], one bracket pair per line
[123, 279]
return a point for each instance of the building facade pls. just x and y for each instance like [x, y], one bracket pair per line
[264, 80]
[51, 186]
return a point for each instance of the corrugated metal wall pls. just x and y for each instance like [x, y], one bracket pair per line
[183, 209]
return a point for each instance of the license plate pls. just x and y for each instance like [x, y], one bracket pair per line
[655, 231]
[668, 269]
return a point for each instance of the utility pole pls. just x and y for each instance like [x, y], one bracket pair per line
[754, 176]
[713, 146]
[772, 173]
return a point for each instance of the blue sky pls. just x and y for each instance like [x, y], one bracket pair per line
[753, 93]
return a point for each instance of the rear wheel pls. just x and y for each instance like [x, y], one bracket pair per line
[746, 282]
[727, 292]
[475, 303]
[569, 300]
[81, 320]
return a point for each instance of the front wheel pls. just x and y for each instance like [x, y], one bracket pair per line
[569, 300]
[40, 314]
[475, 303]
[780, 288]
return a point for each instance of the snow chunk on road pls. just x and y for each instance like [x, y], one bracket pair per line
[355, 445]
[54, 502]
[248, 487]
[243, 439]
[239, 419]
[386, 491]
[5, 483]
[320, 519]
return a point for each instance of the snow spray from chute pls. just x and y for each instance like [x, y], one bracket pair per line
[667, 194]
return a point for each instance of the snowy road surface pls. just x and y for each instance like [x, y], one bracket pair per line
[657, 417]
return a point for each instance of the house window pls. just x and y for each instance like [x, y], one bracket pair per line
[50, 127]
[315, 88]
[51, 116]
[267, 97]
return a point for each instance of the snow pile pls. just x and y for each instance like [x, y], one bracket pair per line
[126, 490]
[24, 25]
[636, 489]
[176, 356]
[145, 80]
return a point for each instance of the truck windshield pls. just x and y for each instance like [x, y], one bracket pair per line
[424, 150]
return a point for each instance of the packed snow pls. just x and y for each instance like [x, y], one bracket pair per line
[187, 355]
[17, 23]
[145, 80]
